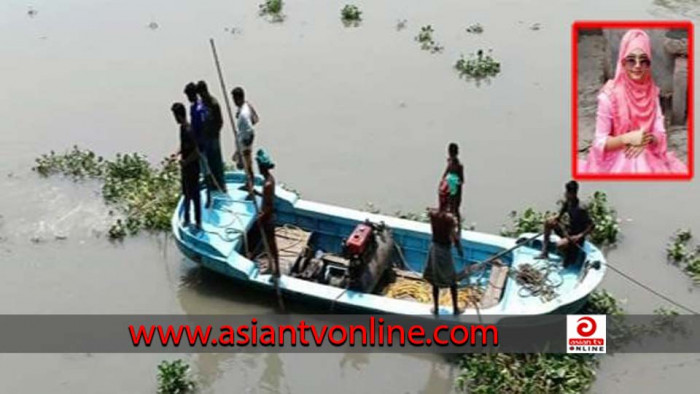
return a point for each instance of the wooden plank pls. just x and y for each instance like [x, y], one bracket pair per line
[408, 274]
[291, 243]
[497, 281]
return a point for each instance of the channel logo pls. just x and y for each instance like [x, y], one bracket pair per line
[586, 333]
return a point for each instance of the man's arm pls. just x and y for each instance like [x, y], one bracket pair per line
[456, 239]
[589, 229]
[268, 195]
[218, 117]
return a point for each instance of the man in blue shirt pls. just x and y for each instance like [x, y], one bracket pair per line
[213, 122]
[198, 115]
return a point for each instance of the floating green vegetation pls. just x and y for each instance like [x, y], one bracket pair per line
[173, 378]
[273, 10]
[145, 195]
[401, 24]
[475, 28]
[416, 217]
[682, 254]
[478, 66]
[536, 373]
[351, 15]
[425, 38]
[604, 216]
[529, 221]
[526, 373]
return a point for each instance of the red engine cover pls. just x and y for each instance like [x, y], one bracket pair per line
[359, 239]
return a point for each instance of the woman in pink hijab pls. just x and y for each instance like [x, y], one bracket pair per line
[630, 136]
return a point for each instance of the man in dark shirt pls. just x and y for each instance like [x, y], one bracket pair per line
[198, 115]
[212, 132]
[573, 234]
[189, 166]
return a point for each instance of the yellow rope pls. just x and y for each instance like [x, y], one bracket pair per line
[422, 291]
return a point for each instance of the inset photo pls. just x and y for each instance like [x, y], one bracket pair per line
[632, 100]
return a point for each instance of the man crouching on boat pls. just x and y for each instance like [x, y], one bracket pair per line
[439, 268]
[573, 233]
[266, 217]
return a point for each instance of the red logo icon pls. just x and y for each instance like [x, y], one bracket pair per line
[586, 326]
[586, 333]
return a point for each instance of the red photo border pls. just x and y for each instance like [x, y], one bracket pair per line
[578, 25]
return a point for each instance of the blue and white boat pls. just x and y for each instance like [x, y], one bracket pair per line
[312, 234]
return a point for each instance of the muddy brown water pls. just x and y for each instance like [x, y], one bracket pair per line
[350, 114]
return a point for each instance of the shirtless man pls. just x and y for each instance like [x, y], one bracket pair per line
[439, 268]
[266, 217]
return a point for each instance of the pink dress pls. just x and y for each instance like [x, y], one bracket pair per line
[654, 160]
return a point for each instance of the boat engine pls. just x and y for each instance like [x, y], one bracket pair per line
[370, 250]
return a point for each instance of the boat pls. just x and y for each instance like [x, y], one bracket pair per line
[321, 258]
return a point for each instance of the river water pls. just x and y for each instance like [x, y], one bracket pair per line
[350, 115]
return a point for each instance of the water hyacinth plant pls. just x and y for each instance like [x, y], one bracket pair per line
[536, 373]
[173, 378]
[475, 28]
[604, 216]
[76, 164]
[425, 38]
[351, 15]
[401, 24]
[146, 196]
[679, 252]
[273, 10]
[478, 66]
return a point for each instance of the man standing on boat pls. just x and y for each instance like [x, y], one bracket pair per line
[439, 268]
[266, 217]
[246, 118]
[212, 133]
[572, 232]
[198, 115]
[454, 177]
[189, 166]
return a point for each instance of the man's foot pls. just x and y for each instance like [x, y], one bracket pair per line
[458, 311]
[208, 204]
[542, 256]
[434, 311]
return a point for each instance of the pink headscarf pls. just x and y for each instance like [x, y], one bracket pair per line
[634, 103]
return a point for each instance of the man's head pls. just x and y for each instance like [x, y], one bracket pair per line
[453, 150]
[179, 112]
[191, 92]
[571, 191]
[203, 90]
[238, 96]
[265, 163]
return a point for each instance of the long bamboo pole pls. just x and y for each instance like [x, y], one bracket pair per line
[266, 245]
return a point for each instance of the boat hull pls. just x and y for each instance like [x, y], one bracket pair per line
[229, 226]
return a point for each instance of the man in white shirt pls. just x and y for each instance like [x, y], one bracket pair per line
[246, 118]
